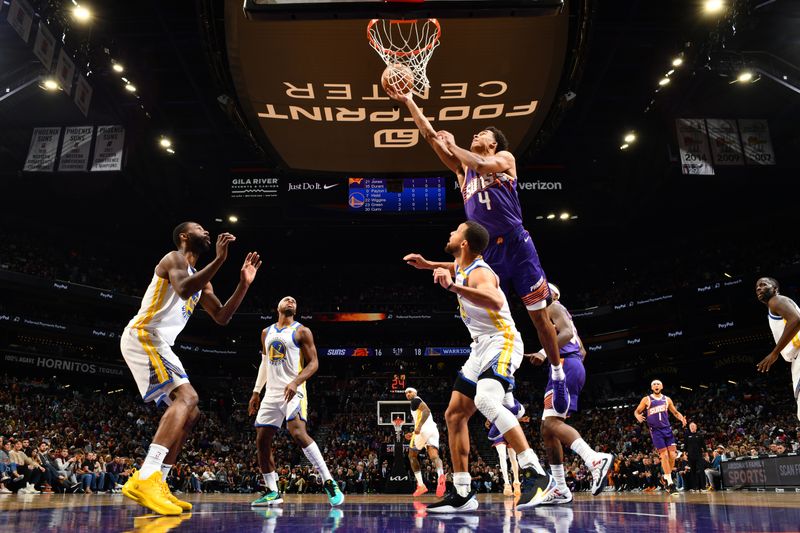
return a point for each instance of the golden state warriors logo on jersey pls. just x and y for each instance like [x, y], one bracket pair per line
[188, 306]
[276, 352]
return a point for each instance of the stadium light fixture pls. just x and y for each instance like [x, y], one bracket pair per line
[170, 151]
[663, 81]
[678, 61]
[727, 275]
[131, 88]
[713, 6]
[732, 382]
[165, 142]
[564, 216]
[233, 219]
[624, 146]
[81, 14]
[117, 67]
[50, 84]
[551, 216]
[686, 388]
[629, 137]
[745, 76]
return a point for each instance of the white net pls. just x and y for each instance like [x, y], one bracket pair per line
[406, 42]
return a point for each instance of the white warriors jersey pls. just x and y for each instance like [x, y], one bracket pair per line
[283, 357]
[480, 320]
[163, 312]
[777, 324]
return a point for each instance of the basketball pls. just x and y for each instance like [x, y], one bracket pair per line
[397, 78]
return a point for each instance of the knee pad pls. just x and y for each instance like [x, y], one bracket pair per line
[489, 400]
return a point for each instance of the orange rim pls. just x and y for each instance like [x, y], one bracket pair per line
[397, 53]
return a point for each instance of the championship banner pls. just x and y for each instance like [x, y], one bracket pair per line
[693, 144]
[45, 46]
[75, 149]
[757, 143]
[42, 152]
[20, 16]
[65, 71]
[108, 147]
[83, 95]
[725, 145]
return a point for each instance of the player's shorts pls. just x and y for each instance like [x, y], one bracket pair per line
[426, 437]
[155, 368]
[576, 377]
[515, 260]
[662, 437]
[496, 437]
[274, 409]
[495, 356]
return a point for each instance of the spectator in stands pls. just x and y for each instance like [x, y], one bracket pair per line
[714, 472]
[53, 481]
[5, 465]
[26, 467]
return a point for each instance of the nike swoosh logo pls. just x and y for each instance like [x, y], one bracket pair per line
[326, 187]
[526, 239]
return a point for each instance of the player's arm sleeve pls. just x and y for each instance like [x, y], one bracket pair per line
[261, 380]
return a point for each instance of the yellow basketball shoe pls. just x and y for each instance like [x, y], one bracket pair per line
[150, 493]
[185, 506]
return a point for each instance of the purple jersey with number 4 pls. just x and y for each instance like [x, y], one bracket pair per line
[492, 201]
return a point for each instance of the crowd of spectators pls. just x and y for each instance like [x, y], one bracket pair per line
[77, 439]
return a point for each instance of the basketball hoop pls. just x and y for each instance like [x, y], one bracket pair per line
[398, 427]
[406, 42]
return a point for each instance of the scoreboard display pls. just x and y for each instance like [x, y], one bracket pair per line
[396, 195]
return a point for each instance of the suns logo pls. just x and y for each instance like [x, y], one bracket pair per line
[276, 352]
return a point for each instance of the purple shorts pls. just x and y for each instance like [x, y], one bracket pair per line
[514, 259]
[662, 437]
[575, 377]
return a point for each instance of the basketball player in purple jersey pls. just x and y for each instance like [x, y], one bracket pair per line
[555, 431]
[487, 175]
[657, 405]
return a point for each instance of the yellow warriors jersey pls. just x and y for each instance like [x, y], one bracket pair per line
[163, 313]
[284, 360]
[777, 325]
[480, 320]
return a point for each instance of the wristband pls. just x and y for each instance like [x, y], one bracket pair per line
[450, 287]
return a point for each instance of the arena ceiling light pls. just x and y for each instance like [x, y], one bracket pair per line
[49, 84]
[564, 216]
[81, 14]
[165, 142]
[663, 81]
[551, 216]
[745, 76]
[117, 67]
[170, 151]
[131, 88]
[233, 219]
[678, 61]
[629, 137]
[713, 6]
[624, 146]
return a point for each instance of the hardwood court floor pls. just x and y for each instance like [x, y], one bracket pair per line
[608, 513]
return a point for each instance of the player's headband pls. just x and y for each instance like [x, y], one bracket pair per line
[411, 389]
[656, 381]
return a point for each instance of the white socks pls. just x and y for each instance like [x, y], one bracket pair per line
[557, 372]
[528, 459]
[271, 481]
[315, 456]
[503, 456]
[439, 467]
[584, 450]
[165, 471]
[461, 481]
[514, 464]
[558, 475]
[668, 478]
[153, 461]
[418, 475]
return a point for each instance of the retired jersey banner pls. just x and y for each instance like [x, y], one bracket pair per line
[83, 95]
[45, 46]
[757, 143]
[725, 145]
[693, 143]
[42, 152]
[75, 149]
[108, 148]
[20, 16]
[65, 71]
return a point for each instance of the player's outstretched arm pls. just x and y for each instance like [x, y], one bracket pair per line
[310, 362]
[261, 379]
[640, 409]
[221, 314]
[175, 268]
[429, 134]
[783, 307]
[675, 413]
[417, 261]
[481, 288]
